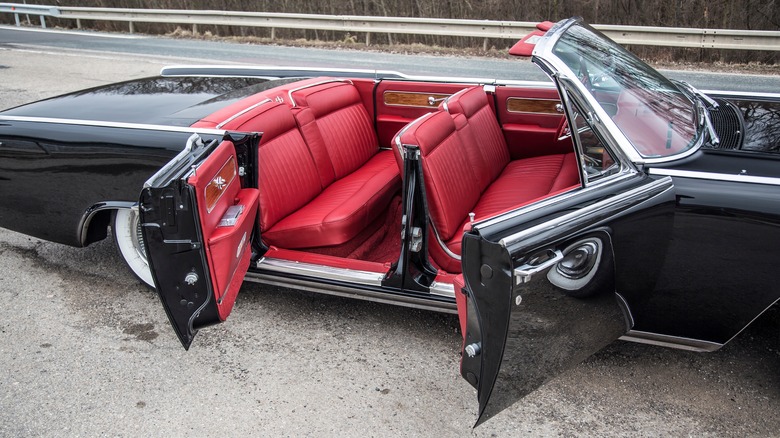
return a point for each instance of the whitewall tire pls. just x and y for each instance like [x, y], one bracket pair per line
[127, 234]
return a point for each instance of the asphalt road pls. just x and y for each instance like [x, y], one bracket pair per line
[210, 52]
[87, 351]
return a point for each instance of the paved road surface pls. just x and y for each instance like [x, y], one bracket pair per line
[193, 51]
[86, 349]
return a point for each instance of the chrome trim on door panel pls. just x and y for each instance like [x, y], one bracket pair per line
[590, 214]
[668, 341]
[320, 271]
[743, 178]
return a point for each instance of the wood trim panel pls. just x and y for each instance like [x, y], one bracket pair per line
[219, 183]
[534, 106]
[415, 99]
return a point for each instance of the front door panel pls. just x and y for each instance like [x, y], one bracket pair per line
[197, 228]
[541, 290]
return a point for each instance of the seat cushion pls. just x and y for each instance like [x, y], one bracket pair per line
[521, 182]
[527, 179]
[342, 210]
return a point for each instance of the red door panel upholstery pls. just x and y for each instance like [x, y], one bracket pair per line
[530, 121]
[400, 102]
[218, 187]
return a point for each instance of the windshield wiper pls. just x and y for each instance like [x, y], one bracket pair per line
[696, 92]
[704, 116]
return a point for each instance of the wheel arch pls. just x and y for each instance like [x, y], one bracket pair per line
[97, 218]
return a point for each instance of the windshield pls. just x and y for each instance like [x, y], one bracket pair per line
[656, 117]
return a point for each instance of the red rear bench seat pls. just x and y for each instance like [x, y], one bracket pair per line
[467, 169]
[322, 177]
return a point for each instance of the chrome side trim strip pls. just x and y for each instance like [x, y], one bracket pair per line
[321, 271]
[668, 341]
[590, 214]
[241, 113]
[742, 178]
[742, 94]
[355, 293]
[122, 125]
[443, 289]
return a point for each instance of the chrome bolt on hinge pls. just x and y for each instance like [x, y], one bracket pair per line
[416, 243]
[473, 349]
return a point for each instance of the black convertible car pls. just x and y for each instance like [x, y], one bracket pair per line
[552, 217]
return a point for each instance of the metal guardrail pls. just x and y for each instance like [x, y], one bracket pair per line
[24, 9]
[637, 35]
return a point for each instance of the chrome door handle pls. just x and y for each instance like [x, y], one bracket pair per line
[433, 101]
[523, 274]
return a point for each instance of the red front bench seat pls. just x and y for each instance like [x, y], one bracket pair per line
[467, 169]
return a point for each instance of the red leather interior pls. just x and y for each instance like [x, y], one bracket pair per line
[346, 131]
[321, 174]
[450, 180]
[480, 127]
[466, 169]
[227, 248]
[343, 209]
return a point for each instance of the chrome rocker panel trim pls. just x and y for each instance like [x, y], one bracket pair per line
[366, 283]
[667, 341]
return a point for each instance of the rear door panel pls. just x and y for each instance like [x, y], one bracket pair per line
[197, 227]
[540, 284]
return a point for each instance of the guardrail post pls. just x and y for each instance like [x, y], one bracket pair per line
[43, 22]
[368, 38]
[132, 28]
[485, 45]
[273, 33]
[194, 28]
[78, 23]
[16, 17]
